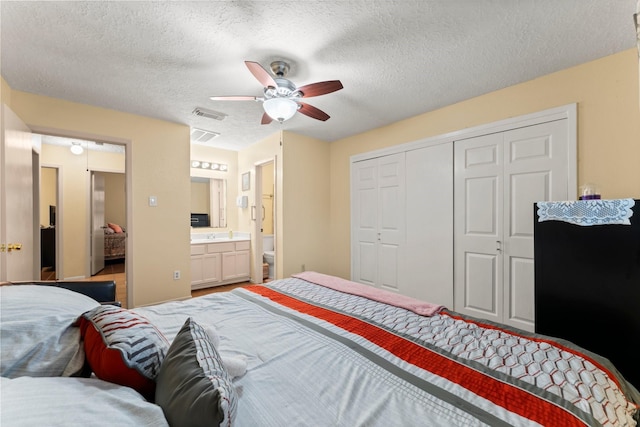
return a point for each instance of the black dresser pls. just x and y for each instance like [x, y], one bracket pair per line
[587, 287]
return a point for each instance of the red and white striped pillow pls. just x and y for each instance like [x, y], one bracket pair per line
[123, 347]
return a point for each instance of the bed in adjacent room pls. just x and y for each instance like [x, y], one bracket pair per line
[319, 351]
[115, 242]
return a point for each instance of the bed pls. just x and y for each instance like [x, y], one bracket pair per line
[320, 351]
[114, 245]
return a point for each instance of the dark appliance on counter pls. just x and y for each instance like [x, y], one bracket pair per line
[199, 220]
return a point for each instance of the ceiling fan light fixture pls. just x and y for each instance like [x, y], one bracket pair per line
[76, 148]
[280, 109]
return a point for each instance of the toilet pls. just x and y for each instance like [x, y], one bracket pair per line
[268, 253]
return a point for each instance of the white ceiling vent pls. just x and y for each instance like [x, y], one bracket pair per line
[201, 136]
[209, 114]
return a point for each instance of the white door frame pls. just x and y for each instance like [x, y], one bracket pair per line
[128, 190]
[257, 224]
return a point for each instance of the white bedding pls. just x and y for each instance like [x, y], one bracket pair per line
[298, 377]
[36, 335]
[306, 371]
[69, 402]
[319, 357]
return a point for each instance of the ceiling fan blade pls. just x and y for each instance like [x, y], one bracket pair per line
[233, 98]
[313, 112]
[266, 119]
[320, 88]
[261, 74]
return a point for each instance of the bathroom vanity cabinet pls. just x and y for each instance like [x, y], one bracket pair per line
[219, 263]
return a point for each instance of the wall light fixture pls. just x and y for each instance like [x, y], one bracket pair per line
[202, 164]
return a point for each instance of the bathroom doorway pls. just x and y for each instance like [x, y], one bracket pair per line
[266, 224]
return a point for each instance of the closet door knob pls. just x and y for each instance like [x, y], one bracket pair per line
[498, 246]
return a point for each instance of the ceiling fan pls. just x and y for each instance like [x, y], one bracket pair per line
[281, 97]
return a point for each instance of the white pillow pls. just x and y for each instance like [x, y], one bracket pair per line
[66, 402]
[37, 333]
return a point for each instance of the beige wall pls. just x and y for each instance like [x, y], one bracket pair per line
[306, 201]
[158, 240]
[115, 207]
[605, 90]
[5, 92]
[47, 193]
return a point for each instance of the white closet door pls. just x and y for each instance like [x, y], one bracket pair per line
[478, 205]
[391, 219]
[378, 220]
[427, 267]
[364, 181]
[535, 169]
[498, 178]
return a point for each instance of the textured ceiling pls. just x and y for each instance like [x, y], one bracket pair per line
[396, 59]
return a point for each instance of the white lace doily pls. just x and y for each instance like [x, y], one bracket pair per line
[587, 212]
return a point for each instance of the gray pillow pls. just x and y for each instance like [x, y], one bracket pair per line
[193, 388]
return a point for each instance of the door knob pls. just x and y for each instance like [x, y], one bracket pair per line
[12, 247]
[498, 246]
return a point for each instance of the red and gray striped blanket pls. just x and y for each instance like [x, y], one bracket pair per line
[466, 368]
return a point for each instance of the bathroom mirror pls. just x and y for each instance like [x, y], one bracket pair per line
[208, 200]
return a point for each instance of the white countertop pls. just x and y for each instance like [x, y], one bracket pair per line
[218, 237]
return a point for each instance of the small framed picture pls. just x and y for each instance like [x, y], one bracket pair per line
[245, 181]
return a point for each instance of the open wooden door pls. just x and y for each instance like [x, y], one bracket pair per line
[17, 242]
[97, 222]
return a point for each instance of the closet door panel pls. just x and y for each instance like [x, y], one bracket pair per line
[478, 201]
[364, 221]
[367, 263]
[388, 266]
[391, 221]
[535, 169]
[524, 190]
[427, 265]
[391, 198]
[378, 220]
[481, 206]
[481, 283]
[520, 290]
